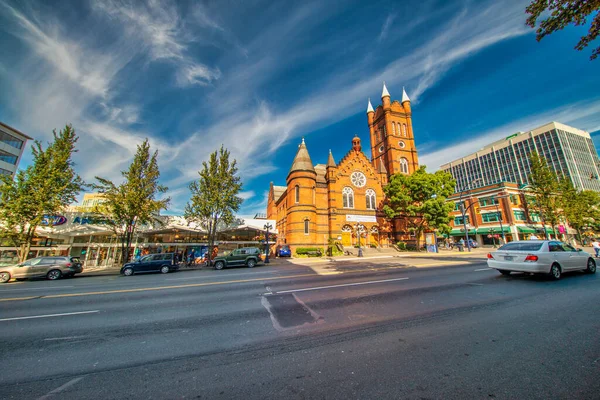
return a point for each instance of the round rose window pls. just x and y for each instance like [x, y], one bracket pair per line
[358, 179]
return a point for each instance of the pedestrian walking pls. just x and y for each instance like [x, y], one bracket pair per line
[596, 246]
[461, 244]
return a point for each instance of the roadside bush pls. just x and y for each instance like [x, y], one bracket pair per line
[309, 251]
[401, 245]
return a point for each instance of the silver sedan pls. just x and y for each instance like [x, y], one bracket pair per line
[540, 256]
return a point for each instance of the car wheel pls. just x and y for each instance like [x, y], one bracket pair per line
[53, 275]
[504, 272]
[591, 266]
[128, 271]
[251, 263]
[164, 269]
[555, 272]
[219, 265]
[4, 277]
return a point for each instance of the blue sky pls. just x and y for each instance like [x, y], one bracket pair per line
[257, 76]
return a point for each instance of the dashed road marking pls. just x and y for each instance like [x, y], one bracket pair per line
[49, 315]
[337, 286]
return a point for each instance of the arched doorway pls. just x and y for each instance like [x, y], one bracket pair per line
[374, 236]
[346, 235]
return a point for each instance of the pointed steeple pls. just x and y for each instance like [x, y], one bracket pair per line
[385, 91]
[302, 161]
[370, 107]
[381, 168]
[404, 95]
[331, 161]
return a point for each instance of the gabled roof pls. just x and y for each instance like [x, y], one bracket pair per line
[321, 170]
[278, 191]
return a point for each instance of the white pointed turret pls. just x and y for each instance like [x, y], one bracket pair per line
[370, 107]
[385, 91]
[404, 95]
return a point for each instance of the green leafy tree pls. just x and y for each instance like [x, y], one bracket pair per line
[545, 191]
[581, 209]
[134, 202]
[564, 13]
[420, 198]
[43, 189]
[215, 199]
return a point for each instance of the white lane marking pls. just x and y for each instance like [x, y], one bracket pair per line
[483, 269]
[46, 288]
[221, 276]
[61, 388]
[360, 258]
[49, 315]
[342, 285]
[64, 338]
[475, 284]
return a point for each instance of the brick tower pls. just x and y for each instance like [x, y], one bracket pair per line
[392, 140]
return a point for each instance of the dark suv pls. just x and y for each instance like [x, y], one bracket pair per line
[246, 256]
[162, 262]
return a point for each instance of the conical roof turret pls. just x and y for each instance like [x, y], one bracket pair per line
[331, 161]
[404, 95]
[385, 92]
[370, 107]
[302, 161]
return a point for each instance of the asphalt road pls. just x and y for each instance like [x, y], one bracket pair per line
[377, 330]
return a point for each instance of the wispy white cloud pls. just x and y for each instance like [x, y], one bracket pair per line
[584, 115]
[158, 24]
[386, 27]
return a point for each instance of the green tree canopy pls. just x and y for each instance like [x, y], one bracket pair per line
[134, 202]
[545, 188]
[581, 209]
[215, 199]
[44, 188]
[421, 199]
[564, 13]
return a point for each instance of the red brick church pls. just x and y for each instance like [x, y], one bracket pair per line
[343, 200]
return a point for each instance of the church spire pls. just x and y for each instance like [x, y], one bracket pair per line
[330, 161]
[385, 91]
[302, 161]
[404, 95]
[370, 107]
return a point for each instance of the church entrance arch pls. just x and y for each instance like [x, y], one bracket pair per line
[346, 235]
[374, 236]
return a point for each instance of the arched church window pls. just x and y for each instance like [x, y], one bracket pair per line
[404, 130]
[404, 165]
[314, 192]
[346, 228]
[347, 197]
[306, 226]
[394, 128]
[370, 195]
[297, 194]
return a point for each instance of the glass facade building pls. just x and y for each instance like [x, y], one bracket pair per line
[569, 152]
[12, 144]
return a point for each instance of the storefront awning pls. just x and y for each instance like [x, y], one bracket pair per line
[527, 229]
[492, 230]
[461, 232]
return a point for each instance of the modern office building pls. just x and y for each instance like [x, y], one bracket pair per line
[12, 144]
[569, 151]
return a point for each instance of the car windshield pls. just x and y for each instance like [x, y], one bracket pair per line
[285, 247]
[522, 246]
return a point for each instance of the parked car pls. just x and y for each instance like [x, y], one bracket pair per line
[161, 262]
[473, 244]
[540, 256]
[51, 268]
[283, 251]
[245, 256]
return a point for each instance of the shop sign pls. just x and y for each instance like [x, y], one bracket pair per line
[53, 220]
[361, 218]
[90, 220]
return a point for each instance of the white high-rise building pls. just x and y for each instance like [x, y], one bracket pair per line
[12, 144]
[569, 151]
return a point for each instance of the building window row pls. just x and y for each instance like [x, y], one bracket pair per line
[490, 217]
[11, 140]
[348, 198]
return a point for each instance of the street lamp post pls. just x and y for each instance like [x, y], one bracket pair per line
[500, 218]
[267, 227]
[358, 227]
